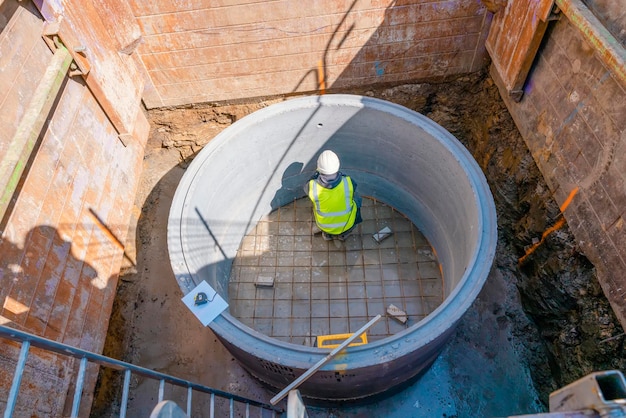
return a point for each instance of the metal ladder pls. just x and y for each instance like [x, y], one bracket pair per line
[27, 340]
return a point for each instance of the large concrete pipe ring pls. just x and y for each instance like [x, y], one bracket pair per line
[398, 157]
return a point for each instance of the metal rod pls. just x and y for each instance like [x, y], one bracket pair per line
[17, 379]
[161, 389]
[247, 410]
[125, 392]
[212, 407]
[231, 408]
[78, 391]
[323, 361]
[189, 393]
[19, 150]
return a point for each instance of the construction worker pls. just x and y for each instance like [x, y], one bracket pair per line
[336, 203]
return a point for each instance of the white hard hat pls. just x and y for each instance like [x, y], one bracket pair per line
[328, 163]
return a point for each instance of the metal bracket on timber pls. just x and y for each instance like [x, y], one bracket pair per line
[555, 14]
[516, 95]
[57, 33]
[52, 36]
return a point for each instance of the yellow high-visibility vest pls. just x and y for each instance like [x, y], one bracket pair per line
[334, 209]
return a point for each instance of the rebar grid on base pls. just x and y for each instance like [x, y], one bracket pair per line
[320, 289]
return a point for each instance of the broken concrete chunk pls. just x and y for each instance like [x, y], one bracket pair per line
[309, 340]
[397, 313]
[425, 253]
[264, 281]
[382, 234]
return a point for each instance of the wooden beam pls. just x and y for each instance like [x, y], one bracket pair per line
[18, 153]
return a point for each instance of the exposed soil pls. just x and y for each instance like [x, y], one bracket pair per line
[572, 325]
[558, 287]
[551, 301]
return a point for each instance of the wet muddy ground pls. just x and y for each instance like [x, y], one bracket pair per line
[544, 303]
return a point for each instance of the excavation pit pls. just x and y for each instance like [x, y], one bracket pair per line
[397, 157]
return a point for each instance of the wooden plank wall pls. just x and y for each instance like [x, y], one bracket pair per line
[572, 119]
[106, 33]
[514, 38]
[17, 46]
[205, 51]
[59, 260]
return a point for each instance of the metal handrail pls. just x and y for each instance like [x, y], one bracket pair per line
[29, 340]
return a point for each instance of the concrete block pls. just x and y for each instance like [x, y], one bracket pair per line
[264, 281]
[397, 314]
[382, 234]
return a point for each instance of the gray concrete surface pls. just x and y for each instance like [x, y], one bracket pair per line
[320, 288]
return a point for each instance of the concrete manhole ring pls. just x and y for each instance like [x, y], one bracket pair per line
[397, 156]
